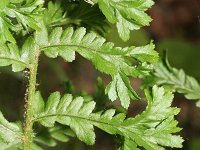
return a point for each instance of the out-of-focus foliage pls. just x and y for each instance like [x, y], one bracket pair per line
[182, 54]
[51, 136]
[76, 13]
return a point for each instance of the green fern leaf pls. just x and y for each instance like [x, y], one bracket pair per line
[25, 13]
[129, 145]
[34, 146]
[152, 129]
[10, 54]
[10, 134]
[128, 14]
[176, 79]
[54, 14]
[120, 87]
[114, 61]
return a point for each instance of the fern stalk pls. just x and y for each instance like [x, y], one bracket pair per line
[27, 138]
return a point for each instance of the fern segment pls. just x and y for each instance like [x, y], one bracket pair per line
[152, 129]
[10, 134]
[127, 14]
[114, 61]
[24, 14]
[175, 79]
[20, 59]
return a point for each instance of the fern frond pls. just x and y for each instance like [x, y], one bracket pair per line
[16, 15]
[10, 54]
[10, 134]
[156, 124]
[127, 14]
[178, 80]
[114, 61]
[152, 129]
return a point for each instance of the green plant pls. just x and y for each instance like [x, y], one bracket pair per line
[177, 80]
[29, 28]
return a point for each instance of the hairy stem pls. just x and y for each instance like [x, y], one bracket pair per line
[28, 124]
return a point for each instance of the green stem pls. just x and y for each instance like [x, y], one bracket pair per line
[30, 98]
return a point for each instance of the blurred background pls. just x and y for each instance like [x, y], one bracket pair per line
[175, 28]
